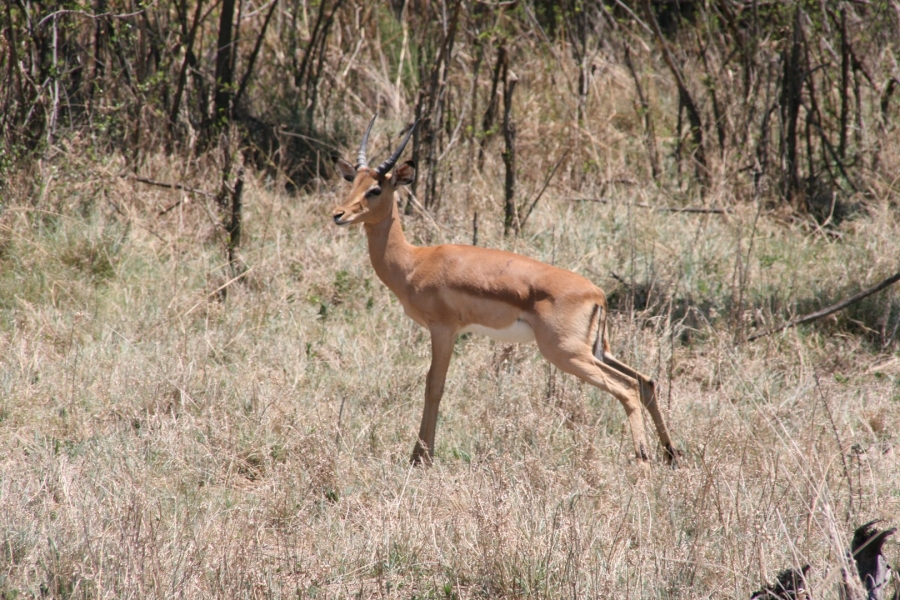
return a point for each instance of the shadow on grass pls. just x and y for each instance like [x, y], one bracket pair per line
[875, 319]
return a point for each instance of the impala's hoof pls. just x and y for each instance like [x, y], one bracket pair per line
[420, 457]
[671, 455]
[644, 470]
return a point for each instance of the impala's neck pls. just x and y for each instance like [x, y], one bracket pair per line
[389, 251]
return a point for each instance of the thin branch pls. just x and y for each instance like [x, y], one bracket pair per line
[815, 122]
[188, 59]
[171, 186]
[88, 15]
[534, 202]
[634, 16]
[253, 55]
[831, 309]
[216, 292]
[684, 95]
[671, 209]
[282, 131]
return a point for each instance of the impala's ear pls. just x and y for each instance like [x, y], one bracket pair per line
[405, 173]
[346, 170]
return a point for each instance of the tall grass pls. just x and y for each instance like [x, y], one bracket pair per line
[171, 426]
[158, 441]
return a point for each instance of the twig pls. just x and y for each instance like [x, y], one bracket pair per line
[338, 434]
[82, 13]
[425, 213]
[831, 150]
[216, 292]
[672, 209]
[534, 202]
[171, 186]
[831, 309]
[634, 16]
[649, 130]
[840, 446]
[619, 279]
[254, 54]
[300, 136]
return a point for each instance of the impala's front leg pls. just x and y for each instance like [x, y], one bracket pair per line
[441, 351]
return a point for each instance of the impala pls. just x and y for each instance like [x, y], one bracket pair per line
[451, 289]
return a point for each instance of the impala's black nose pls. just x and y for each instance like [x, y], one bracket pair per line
[337, 216]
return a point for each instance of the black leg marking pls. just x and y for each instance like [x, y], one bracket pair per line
[597, 317]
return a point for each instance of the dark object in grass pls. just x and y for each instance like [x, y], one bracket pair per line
[790, 584]
[873, 569]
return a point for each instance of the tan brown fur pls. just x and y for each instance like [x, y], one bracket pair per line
[447, 288]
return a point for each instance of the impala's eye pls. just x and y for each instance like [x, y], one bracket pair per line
[376, 191]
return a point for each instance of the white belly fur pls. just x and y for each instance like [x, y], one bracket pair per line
[519, 332]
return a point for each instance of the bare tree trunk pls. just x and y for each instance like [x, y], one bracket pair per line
[792, 87]
[245, 80]
[510, 213]
[490, 113]
[431, 107]
[309, 70]
[224, 66]
[649, 131]
[845, 84]
[14, 94]
[684, 95]
[234, 226]
[189, 58]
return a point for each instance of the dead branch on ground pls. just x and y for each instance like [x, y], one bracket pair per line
[831, 309]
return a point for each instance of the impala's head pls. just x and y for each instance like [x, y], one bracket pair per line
[372, 196]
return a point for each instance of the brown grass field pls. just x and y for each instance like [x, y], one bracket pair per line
[173, 428]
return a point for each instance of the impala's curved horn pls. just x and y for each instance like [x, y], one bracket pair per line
[387, 165]
[361, 155]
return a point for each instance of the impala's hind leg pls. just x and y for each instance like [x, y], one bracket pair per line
[647, 393]
[576, 359]
[624, 388]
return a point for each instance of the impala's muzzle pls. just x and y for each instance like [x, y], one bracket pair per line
[339, 217]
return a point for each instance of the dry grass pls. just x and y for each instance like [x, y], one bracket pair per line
[159, 440]
[156, 441]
